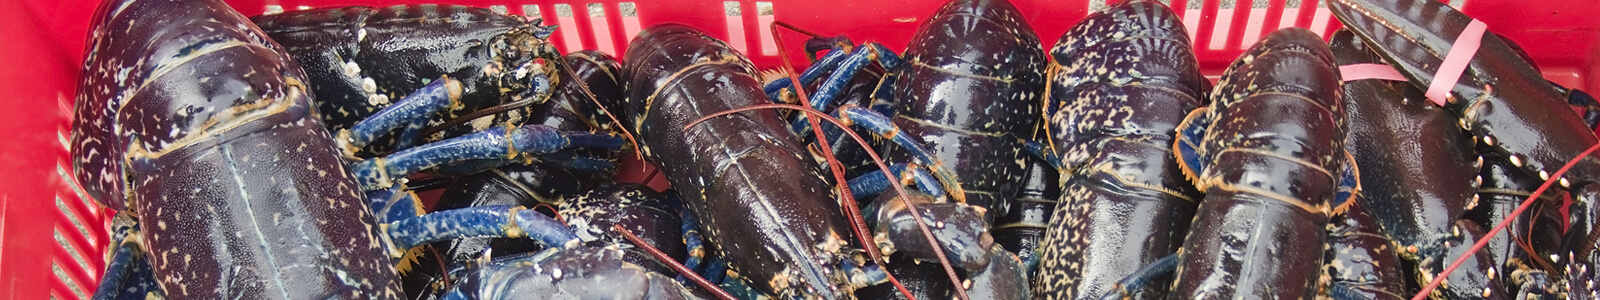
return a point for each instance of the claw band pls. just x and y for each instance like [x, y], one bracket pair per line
[1455, 62]
[1353, 72]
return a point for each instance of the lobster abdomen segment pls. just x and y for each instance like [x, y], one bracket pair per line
[226, 219]
[1271, 161]
[969, 92]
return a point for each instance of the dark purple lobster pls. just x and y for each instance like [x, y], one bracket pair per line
[182, 108]
[760, 196]
[1122, 80]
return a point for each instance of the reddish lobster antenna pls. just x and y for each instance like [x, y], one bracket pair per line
[915, 215]
[847, 201]
[667, 260]
[585, 87]
[1423, 294]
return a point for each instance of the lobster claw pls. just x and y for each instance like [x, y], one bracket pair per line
[1416, 36]
[1499, 97]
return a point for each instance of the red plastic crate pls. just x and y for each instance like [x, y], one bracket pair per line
[52, 237]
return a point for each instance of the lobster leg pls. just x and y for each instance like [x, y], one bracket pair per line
[873, 184]
[839, 78]
[567, 160]
[841, 66]
[776, 87]
[410, 113]
[692, 240]
[1130, 286]
[408, 226]
[505, 143]
[883, 127]
[1581, 99]
[128, 274]
[480, 221]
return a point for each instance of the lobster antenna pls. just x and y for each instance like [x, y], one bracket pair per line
[584, 86]
[791, 27]
[1044, 114]
[667, 260]
[488, 111]
[1502, 224]
[1526, 243]
[848, 204]
[916, 215]
[520, 103]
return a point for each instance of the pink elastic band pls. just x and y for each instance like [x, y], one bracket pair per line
[1369, 71]
[1455, 62]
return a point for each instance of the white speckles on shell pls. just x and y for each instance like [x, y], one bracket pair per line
[378, 100]
[368, 85]
[353, 70]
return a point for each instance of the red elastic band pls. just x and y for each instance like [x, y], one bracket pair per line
[1455, 62]
[1355, 72]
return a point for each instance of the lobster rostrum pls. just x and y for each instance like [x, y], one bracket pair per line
[1268, 152]
[761, 199]
[1501, 100]
[1122, 80]
[1427, 169]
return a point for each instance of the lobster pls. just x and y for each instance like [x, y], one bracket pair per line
[600, 261]
[761, 200]
[1426, 167]
[1502, 101]
[971, 113]
[1122, 80]
[163, 134]
[198, 152]
[1269, 154]
[363, 58]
